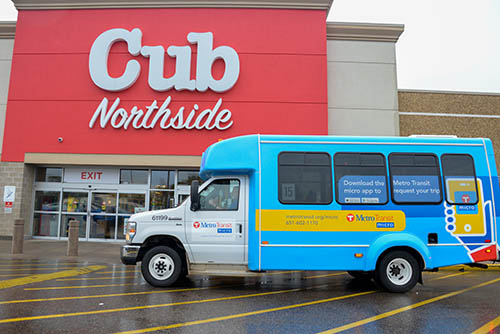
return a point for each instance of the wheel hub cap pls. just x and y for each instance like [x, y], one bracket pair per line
[399, 271]
[161, 266]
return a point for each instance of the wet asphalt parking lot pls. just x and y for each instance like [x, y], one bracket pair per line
[38, 296]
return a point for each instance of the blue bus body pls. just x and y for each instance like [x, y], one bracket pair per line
[396, 201]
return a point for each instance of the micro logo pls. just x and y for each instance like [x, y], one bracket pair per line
[465, 199]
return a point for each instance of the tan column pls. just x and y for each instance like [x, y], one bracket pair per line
[18, 237]
[74, 227]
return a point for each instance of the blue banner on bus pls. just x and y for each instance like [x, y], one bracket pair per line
[367, 189]
[416, 188]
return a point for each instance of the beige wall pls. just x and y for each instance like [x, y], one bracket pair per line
[6, 49]
[362, 82]
[451, 113]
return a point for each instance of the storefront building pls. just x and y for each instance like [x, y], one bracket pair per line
[106, 109]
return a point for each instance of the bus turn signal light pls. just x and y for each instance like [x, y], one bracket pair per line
[358, 255]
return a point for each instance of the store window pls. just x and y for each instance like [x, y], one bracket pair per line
[162, 179]
[187, 177]
[47, 200]
[74, 201]
[122, 223]
[45, 225]
[103, 202]
[133, 176]
[459, 179]
[161, 195]
[131, 203]
[102, 213]
[415, 178]
[48, 174]
[66, 218]
[304, 178]
[46, 215]
[360, 178]
[159, 200]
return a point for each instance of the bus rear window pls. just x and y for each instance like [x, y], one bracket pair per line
[459, 179]
[415, 178]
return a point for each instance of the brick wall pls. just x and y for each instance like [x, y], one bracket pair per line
[451, 113]
[21, 176]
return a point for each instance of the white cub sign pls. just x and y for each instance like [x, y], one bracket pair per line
[154, 115]
[206, 56]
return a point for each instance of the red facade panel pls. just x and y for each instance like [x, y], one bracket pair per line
[281, 86]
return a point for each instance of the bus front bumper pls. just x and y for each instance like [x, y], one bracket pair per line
[128, 254]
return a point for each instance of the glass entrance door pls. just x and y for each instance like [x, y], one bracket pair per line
[103, 211]
[74, 205]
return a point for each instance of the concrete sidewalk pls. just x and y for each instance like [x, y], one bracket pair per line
[48, 250]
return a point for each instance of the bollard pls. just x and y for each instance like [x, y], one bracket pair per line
[18, 237]
[74, 227]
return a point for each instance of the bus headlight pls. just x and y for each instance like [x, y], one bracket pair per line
[130, 232]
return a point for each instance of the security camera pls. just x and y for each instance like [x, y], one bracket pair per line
[60, 139]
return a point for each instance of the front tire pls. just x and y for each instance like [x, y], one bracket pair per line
[161, 266]
[398, 271]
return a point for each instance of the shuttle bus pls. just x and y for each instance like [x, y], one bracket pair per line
[385, 208]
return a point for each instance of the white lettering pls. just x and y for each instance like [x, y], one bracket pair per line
[180, 80]
[98, 59]
[208, 119]
[206, 58]
[105, 115]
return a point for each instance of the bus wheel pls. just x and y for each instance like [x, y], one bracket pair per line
[161, 266]
[362, 275]
[398, 271]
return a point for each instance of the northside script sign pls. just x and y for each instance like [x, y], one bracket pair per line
[159, 114]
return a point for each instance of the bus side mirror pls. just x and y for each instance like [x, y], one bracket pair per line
[195, 196]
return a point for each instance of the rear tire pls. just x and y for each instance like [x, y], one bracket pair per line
[398, 271]
[161, 266]
[361, 275]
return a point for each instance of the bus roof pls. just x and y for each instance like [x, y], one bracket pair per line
[241, 154]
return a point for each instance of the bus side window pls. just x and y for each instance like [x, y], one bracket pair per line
[304, 178]
[415, 178]
[459, 179]
[360, 178]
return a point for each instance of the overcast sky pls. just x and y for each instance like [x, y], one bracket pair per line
[446, 45]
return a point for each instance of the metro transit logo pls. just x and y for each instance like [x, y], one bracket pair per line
[196, 224]
[350, 218]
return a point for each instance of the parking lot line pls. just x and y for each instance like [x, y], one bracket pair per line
[247, 314]
[199, 322]
[38, 265]
[448, 276]
[326, 275]
[10, 275]
[45, 277]
[32, 269]
[405, 308]
[105, 296]
[79, 287]
[489, 327]
[144, 307]
[118, 271]
[491, 267]
[38, 262]
[92, 278]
